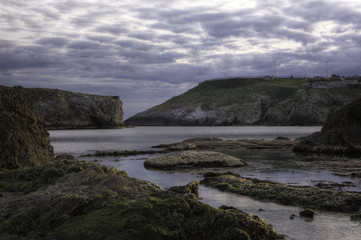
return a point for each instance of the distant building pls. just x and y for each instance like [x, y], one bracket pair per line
[268, 78]
[333, 82]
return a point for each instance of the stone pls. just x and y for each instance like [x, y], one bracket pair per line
[191, 187]
[23, 139]
[308, 213]
[193, 159]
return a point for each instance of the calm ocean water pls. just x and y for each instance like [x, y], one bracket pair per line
[276, 165]
[78, 142]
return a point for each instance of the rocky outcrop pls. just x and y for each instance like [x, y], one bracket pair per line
[90, 201]
[325, 199]
[341, 133]
[23, 139]
[248, 102]
[68, 110]
[192, 159]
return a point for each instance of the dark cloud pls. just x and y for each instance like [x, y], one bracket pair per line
[54, 41]
[147, 53]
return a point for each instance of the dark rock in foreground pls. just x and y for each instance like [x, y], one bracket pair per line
[341, 133]
[325, 199]
[308, 213]
[82, 200]
[191, 159]
[69, 110]
[23, 139]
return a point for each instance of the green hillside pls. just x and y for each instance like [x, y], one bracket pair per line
[216, 93]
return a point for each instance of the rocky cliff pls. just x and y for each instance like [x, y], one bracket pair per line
[23, 139]
[248, 102]
[68, 110]
[341, 133]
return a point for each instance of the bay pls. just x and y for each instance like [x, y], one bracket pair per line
[275, 165]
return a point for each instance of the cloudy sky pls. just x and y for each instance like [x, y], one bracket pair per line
[148, 51]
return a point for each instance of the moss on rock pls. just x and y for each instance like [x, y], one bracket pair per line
[190, 159]
[326, 199]
[104, 203]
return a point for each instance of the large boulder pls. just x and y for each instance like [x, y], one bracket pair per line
[23, 139]
[341, 133]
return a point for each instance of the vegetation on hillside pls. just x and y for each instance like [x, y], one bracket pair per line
[217, 93]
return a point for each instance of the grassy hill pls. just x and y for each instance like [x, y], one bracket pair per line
[216, 93]
[248, 101]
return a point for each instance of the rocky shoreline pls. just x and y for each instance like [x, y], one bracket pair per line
[63, 198]
[70, 199]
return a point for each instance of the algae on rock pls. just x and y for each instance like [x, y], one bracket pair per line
[190, 159]
[325, 199]
[95, 202]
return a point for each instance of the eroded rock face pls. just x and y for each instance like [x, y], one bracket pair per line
[190, 159]
[23, 139]
[68, 110]
[341, 133]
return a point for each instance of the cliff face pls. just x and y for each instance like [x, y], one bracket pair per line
[341, 132]
[23, 139]
[248, 102]
[68, 110]
[309, 106]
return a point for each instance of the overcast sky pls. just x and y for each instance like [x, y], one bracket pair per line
[148, 51]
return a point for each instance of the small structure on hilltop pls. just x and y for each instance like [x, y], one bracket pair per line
[268, 78]
[333, 82]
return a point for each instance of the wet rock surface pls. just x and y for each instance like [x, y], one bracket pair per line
[307, 213]
[217, 143]
[104, 203]
[192, 159]
[325, 199]
[23, 139]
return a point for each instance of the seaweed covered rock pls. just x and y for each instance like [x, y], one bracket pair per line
[219, 144]
[325, 199]
[104, 203]
[341, 133]
[23, 139]
[190, 159]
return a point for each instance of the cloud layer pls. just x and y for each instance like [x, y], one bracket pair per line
[147, 52]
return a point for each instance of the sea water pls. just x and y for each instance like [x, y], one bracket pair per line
[273, 164]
